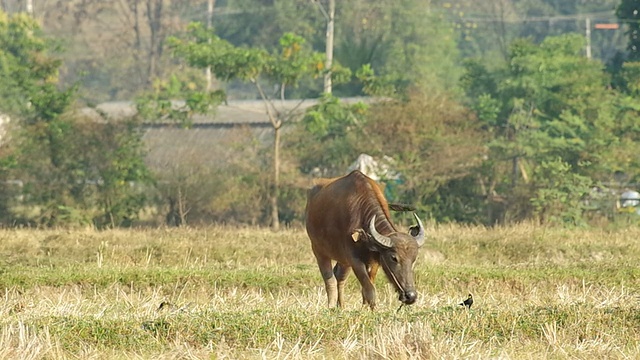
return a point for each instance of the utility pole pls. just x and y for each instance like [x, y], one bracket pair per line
[597, 26]
[329, 16]
[210, 5]
[329, 47]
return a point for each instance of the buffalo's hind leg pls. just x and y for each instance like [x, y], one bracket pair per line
[341, 272]
[330, 283]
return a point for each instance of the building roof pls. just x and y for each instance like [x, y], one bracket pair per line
[234, 112]
[231, 112]
[211, 140]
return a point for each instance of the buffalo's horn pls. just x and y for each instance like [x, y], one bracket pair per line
[420, 235]
[380, 239]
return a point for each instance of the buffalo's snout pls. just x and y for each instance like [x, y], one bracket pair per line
[408, 297]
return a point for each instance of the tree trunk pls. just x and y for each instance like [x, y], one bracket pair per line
[154, 16]
[137, 45]
[275, 220]
[514, 171]
[276, 122]
[210, 5]
[136, 25]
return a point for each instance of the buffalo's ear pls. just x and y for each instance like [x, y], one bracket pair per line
[414, 230]
[371, 244]
[359, 235]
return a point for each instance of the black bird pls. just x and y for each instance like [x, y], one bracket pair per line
[165, 305]
[468, 302]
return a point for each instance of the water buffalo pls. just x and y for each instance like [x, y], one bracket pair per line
[347, 220]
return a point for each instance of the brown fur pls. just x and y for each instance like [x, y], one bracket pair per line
[338, 214]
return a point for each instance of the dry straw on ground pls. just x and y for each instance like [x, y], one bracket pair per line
[234, 293]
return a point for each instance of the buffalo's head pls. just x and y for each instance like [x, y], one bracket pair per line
[398, 252]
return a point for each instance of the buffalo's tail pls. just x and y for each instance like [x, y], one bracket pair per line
[402, 207]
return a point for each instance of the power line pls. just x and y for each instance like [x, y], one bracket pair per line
[541, 18]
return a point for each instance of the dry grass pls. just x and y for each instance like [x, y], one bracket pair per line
[251, 293]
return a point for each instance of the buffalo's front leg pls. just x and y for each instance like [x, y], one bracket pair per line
[372, 269]
[330, 283]
[368, 290]
[341, 272]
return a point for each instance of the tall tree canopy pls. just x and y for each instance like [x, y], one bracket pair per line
[553, 117]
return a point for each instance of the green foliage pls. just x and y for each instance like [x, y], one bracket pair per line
[433, 141]
[98, 175]
[621, 156]
[559, 194]
[329, 136]
[549, 106]
[330, 118]
[375, 85]
[553, 76]
[546, 113]
[485, 29]
[117, 156]
[28, 76]
[294, 60]
[69, 166]
[456, 201]
[396, 37]
[488, 109]
[292, 198]
[177, 101]
[47, 154]
[26, 67]
[630, 77]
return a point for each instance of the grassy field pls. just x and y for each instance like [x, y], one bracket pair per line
[235, 293]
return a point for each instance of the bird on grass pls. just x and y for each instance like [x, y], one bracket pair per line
[165, 305]
[468, 302]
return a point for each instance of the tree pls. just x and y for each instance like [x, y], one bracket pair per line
[549, 112]
[27, 67]
[294, 62]
[68, 165]
[28, 76]
[114, 156]
[330, 133]
[625, 111]
[434, 142]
